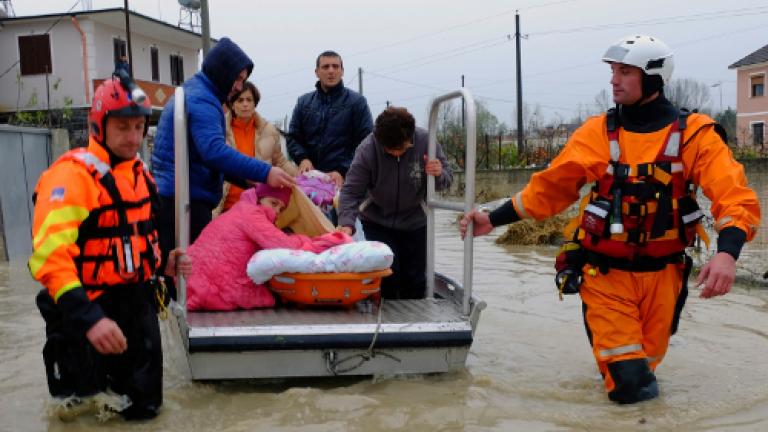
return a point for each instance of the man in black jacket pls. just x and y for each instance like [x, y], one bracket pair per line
[329, 123]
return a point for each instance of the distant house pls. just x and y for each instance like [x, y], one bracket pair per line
[751, 99]
[55, 61]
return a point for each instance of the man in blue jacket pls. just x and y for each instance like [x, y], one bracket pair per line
[329, 123]
[224, 70]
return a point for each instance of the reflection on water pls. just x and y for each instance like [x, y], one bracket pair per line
[530, 368]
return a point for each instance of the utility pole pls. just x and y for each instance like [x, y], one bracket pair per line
[719, 85]
[360, 80]
[500, 152]
[462, 103]
[520, 144]
[463, 128]
[128, 38]
[205, 27]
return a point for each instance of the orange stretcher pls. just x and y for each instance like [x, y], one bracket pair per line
[328, 289]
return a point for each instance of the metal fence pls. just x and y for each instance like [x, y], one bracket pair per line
[26, 154]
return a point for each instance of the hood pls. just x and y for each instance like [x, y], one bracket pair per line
[223, 64]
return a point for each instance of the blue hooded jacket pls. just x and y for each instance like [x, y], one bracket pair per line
[210, 158]
[327, 127]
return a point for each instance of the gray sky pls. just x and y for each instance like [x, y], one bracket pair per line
[411, 51]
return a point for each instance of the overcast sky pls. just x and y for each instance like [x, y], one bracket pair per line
[411, 51]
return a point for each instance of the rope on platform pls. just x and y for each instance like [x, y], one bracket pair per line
[332, 364]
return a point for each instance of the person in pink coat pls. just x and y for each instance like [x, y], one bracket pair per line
[218, 280]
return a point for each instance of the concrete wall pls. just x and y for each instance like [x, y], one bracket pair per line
[508, 182]
[491, 185]
[67, 62]
[66, 55]
[142, 63]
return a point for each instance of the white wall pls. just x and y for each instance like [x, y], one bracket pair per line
[67, 60]
[142, 64]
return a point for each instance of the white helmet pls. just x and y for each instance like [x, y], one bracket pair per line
[648, 53]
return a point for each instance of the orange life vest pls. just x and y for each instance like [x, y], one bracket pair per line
[118, 241]
[641, 210]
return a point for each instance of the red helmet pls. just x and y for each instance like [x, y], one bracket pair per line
[117, 96]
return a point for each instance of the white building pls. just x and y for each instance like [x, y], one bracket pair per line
[55, 61]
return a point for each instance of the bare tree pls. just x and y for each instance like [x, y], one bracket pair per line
[452, 135]
[603, 101]
[727, 119]
[552, 136]
[688, 93]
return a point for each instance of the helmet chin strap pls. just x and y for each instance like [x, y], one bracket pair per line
[651, 84]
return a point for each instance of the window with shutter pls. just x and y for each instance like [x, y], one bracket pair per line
[153, 56]
[758, 131]
[120, 49]
[757, 85]
[35, 54]
[177, 69]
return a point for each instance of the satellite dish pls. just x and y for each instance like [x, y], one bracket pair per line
[190, 4]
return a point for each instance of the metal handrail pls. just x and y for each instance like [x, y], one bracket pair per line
[469, 192]
[181, 181]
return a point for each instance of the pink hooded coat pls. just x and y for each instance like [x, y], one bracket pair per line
[221, 253]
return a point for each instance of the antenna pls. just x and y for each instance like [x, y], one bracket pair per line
[6, 9]
[189, 15]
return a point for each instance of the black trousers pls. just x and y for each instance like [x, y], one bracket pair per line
[408, 279]
[200, 216]
[75, 368]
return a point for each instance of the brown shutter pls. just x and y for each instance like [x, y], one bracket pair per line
[35, 54]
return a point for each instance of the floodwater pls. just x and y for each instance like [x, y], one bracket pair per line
[530, 368]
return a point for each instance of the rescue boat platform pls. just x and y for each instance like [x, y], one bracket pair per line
[392, 337]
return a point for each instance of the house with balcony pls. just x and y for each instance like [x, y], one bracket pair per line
[52, 63]
[751, 99]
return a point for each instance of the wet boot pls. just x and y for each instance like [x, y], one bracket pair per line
[634, 381]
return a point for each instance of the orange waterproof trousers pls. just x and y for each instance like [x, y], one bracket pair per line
[628, 315]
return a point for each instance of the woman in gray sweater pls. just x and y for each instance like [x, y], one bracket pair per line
[386, 187]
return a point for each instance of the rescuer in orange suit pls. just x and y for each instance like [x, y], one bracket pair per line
[95, 250]
[626, 249]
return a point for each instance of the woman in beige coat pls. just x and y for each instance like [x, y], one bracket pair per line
[253, 136]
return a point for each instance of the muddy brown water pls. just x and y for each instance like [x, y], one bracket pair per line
[530, 368]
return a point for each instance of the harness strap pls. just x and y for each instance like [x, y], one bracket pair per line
[91, 230]
[640, 264]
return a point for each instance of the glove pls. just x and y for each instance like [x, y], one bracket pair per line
[569, 263]
[568, 281]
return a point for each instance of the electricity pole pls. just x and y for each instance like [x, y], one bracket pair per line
[360, 80]
[463, 128]
[520, 144]
[128, 38]
[205, 27]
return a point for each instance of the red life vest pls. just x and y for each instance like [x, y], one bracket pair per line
[641, 210]
[118, 241]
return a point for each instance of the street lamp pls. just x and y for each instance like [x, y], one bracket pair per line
[719, 85]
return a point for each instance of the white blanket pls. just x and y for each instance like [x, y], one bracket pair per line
[357, 257]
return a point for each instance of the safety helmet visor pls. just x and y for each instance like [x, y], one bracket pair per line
[649, 54]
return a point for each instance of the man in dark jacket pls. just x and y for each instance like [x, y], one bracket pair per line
[328, 124]
[387, 185]
[225, 68]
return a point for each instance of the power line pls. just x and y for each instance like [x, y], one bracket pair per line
[443, 55]
[425, 35]
[484, 44]
[706, 16]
